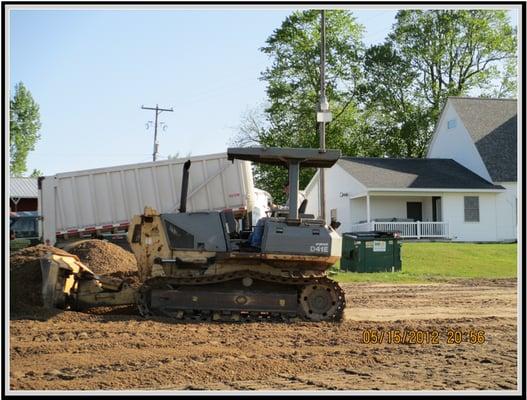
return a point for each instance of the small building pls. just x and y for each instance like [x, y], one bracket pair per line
[464, 190]
[23, 194]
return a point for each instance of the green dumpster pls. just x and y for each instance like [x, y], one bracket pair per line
[370, 252]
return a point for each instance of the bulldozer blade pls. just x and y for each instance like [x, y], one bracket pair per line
[68, 283]
[60, 272]
[53, 284]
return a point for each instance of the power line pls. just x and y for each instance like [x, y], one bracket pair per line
[158, 111]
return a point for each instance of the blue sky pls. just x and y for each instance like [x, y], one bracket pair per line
[91, 70]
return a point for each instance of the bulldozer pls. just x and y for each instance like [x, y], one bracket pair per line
[210, 266]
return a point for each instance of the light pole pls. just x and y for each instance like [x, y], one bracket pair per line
[323, 114]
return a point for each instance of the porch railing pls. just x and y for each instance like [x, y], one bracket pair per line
[408, 230]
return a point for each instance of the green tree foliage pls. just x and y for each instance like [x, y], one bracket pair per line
[453, 51]
[507, 84]
[24, 124]
[429, 56]
[36, 173]
[293, 83]
[392, 109]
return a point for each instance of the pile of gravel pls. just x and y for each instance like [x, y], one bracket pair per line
[105, 258]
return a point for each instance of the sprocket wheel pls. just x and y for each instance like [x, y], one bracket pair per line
[321, 302]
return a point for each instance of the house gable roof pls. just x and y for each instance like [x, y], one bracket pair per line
[23, 187]
[493, 126]
[413, 173]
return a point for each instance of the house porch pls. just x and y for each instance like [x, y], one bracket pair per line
[411, 215]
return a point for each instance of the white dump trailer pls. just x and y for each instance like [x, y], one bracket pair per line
[91, 202]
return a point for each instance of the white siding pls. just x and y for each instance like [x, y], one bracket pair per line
[456, 143]
[506, 211]
[454, 214]
[340, 187]
[311, 193]
[358, 212]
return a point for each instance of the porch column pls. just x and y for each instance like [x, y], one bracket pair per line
[368, 207]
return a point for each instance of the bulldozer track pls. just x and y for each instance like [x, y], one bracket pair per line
[303, 310]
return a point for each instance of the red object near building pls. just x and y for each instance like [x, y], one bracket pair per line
[23, 205]
[23, 194]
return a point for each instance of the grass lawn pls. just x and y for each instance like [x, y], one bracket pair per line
[430, 261]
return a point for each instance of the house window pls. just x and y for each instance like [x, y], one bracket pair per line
[451, 124]
[471, 209]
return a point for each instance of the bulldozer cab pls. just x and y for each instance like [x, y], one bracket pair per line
[285, 220]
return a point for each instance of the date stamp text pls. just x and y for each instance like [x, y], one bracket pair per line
[403, 336]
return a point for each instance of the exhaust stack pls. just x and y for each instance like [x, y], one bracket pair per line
[184, 187]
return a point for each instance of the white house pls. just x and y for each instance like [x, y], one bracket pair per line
[464, 190]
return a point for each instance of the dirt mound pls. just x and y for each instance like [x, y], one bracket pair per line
[25, 279]
[30, 254]
[25, 286]
[105, 258]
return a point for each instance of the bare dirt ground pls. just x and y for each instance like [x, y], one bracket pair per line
[117, 349]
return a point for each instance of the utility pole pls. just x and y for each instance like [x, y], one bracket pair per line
[158, 111]
[323, 114]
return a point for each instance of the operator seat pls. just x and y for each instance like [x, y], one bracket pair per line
[302, 208]
[231, 224]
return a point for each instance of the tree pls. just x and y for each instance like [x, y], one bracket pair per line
[251, 128]
[507, 82]
[24, 124]
[429, 56]
[293, 85]
[392, 109]
[454, 49]
[293, 80]
[36, 173]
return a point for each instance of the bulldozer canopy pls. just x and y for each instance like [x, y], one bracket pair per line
[283, 155]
